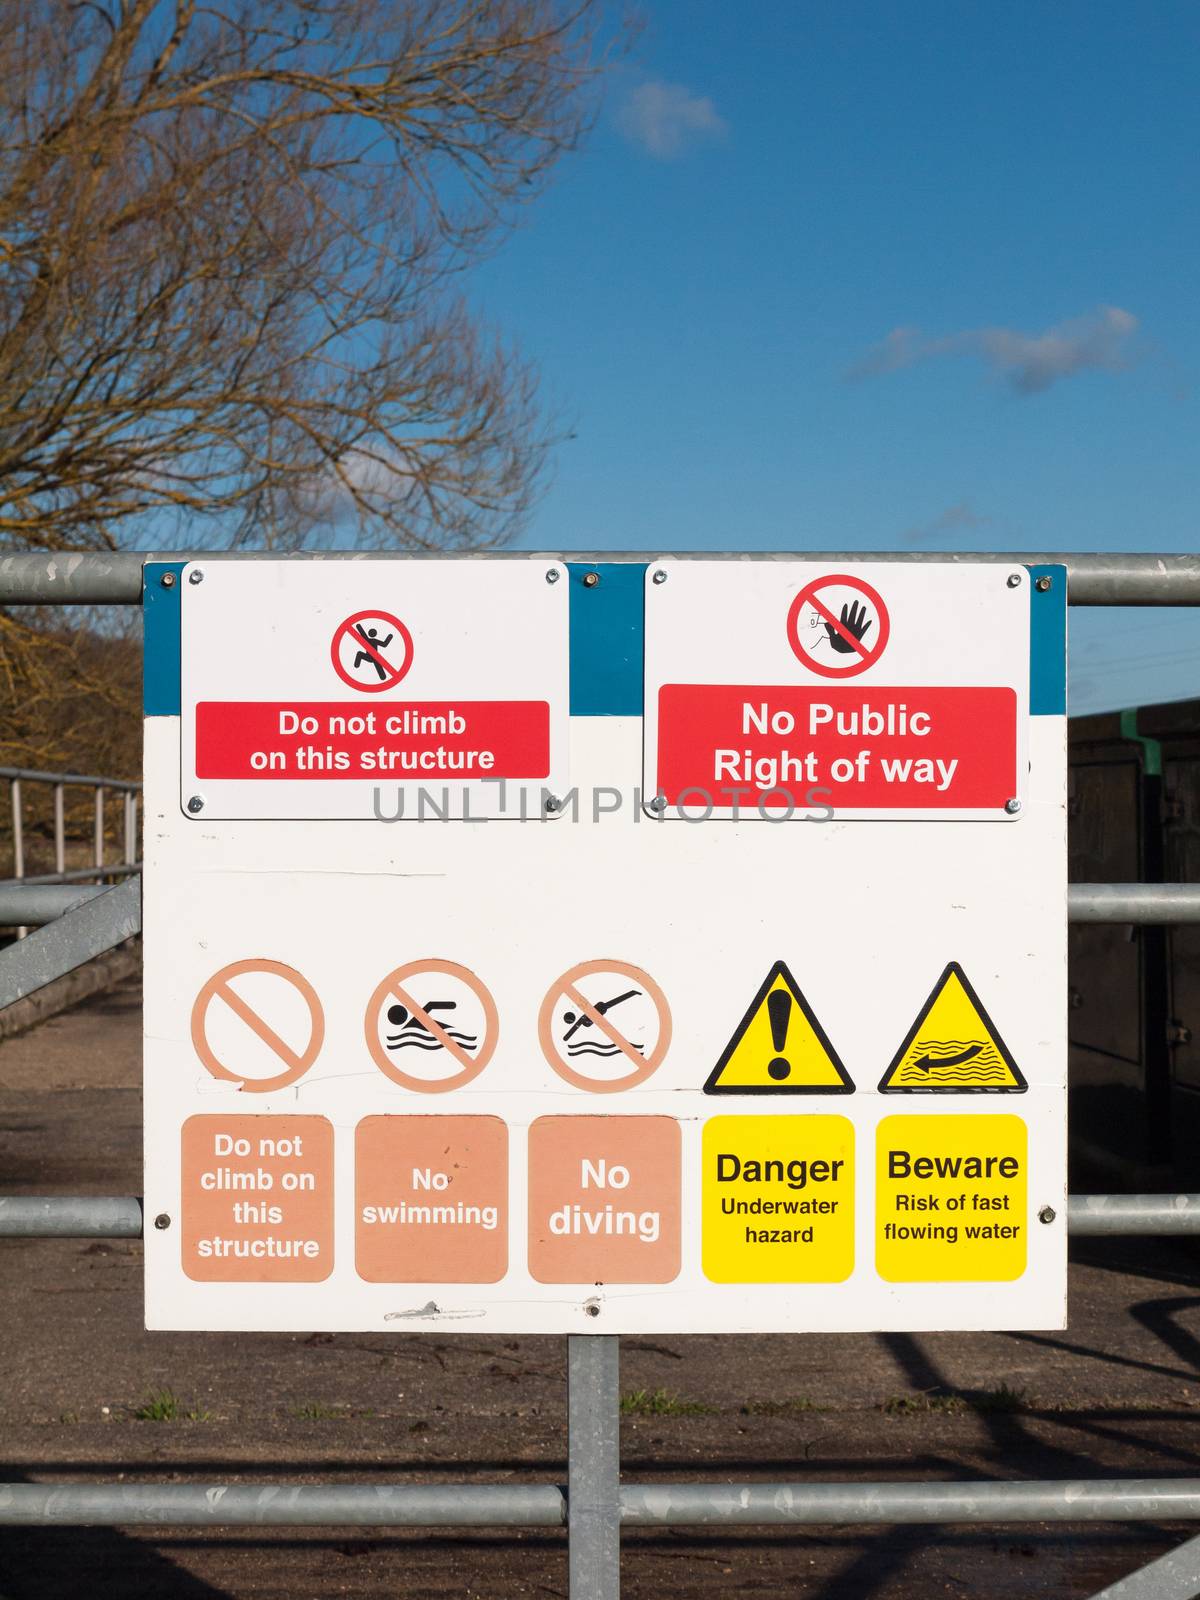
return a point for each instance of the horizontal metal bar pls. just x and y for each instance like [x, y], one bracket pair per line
[103, 577]
[1114, 1500]
[1133, 902]
[70, 1217]
[1086, 902]
[80, 779]
[351, 1505]
[98, 925]
[642, 1505]
[93, 577]
[1158, 1214]
[84, 1217]
[30, 906]
[114, 869]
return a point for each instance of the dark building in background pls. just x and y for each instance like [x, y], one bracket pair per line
[1134, 1025]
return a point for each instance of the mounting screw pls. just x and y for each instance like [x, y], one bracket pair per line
[660, 576]
[1014, 580]
[552, 575]
[590, 580]
[659, 803]
[1012, 807]
[552, 804]
[196, 804]
[167, 580]
[591, 1308]
[196, 575]
[1043, 584]
[161, 1221]
[1047, 1214]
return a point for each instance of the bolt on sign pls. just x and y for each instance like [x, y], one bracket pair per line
[648, 946]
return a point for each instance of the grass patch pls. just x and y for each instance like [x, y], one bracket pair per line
[314, 1411]
[660, 1403]
[165, 1406]
[985, 1402]
[914, 1405]
[779, 1408]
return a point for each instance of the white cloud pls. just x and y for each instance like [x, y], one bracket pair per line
[376, 474]
[666, 119]
[957, 518]
[1029, 362]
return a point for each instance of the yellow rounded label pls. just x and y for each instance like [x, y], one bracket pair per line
[778, 1199]
[950, 1199]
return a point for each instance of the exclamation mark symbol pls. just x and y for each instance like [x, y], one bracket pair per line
[779, 1010]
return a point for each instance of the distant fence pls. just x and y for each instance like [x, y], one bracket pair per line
[27, 899]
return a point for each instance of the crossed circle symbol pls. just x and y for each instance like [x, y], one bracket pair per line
[374, 651]
[861, 657]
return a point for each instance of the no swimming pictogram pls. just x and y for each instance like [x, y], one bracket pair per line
[838, 625]
[583, 1043]
[371, 651]
[443, 1028]
[272, 1016]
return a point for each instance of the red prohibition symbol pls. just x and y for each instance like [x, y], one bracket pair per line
[371, 651]
[842, 634]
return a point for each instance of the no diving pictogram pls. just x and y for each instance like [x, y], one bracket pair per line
[371, 651]
[575, 1028]
[271, 1018]
[448, 1017]
[838, 625]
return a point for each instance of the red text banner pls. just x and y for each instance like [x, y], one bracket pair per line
[403, 742]
[737, 746]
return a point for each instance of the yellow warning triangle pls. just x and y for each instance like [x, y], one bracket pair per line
[779, 1047]
[953, 1047]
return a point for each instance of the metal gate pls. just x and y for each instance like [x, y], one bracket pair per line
[593, 1505]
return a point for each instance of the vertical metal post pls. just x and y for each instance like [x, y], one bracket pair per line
[60, 830]
[593, 1466]
[14, 790]
[128, 828]
[18, 830]
[98, 830]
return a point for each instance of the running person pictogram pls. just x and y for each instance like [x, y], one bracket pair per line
[371, 651]
[371, 656]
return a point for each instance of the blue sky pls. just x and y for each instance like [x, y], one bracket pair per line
[842, 275]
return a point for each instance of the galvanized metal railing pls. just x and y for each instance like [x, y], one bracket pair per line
[27, 900]
[115, 577]
[594, 1505]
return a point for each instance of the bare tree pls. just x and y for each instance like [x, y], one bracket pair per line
[231, 236]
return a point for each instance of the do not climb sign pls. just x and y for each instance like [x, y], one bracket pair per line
[661, 945]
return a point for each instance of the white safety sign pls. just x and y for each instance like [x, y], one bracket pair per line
[743, 1014]
[764, 701]
[304, 695]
